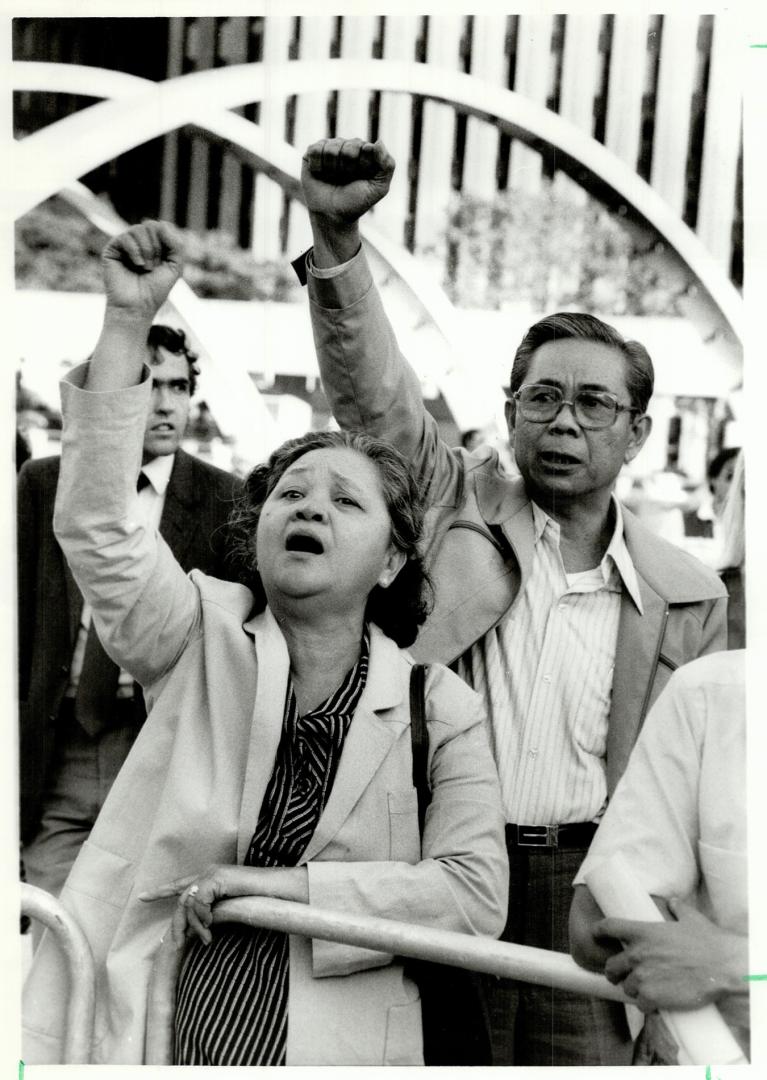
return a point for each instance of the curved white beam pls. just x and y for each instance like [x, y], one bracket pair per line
[282, 162]
[78, 143]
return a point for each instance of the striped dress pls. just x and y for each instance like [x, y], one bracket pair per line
[232, 1002]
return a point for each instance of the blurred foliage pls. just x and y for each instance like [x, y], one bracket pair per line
[56, 248]
[545, 248]
[217, 268]
[555, 251]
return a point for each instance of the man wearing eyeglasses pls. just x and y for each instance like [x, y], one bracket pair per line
[551, 599]
[79, 714]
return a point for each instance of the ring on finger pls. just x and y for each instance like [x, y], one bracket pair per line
[193, 890]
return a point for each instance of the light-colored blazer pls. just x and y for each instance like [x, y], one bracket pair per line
[190, 792]
[479, 528]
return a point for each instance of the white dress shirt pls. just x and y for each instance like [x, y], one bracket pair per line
[678, 815]
[546, 675]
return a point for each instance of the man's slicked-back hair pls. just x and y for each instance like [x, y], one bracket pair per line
[640, 376]
[173, 341]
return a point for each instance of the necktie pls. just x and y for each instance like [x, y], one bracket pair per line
[99, 677]
[97, 689]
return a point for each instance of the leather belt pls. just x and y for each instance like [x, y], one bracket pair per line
[573, 835]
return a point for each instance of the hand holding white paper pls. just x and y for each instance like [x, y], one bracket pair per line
[701, 1034]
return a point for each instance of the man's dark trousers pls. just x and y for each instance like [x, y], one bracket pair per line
[537, 1025]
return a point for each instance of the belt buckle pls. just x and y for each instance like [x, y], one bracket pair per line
[548, 836]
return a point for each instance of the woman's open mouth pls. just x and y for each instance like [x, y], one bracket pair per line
[304, 542]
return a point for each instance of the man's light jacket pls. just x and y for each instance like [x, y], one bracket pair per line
[479, 542]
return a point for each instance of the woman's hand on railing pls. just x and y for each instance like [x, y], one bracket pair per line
[197, 893]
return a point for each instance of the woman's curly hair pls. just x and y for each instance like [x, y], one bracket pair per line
[402, 607]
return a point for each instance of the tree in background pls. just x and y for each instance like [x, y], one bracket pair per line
[58, 249]
[553, 252]
[544, 248]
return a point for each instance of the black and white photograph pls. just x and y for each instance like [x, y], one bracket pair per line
[382, 668]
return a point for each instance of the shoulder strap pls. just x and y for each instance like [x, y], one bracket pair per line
[420, 740]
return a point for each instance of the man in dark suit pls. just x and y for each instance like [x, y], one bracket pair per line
[79, 715]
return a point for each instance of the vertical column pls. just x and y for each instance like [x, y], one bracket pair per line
[268, 197]
[311, 122]
[654, 456]
[580, 65]
[357, 34]
[488, 61]
[693, 439]
[722, 138]
[169, 178]
[201, 44]
[437, 138]
[580, 69]
[311, 109]
[626, 85]
[395, 126]
[232, 49]
[468, 268]
[676, 76]
[532, 80]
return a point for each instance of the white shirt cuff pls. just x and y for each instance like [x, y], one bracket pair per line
[330, 271]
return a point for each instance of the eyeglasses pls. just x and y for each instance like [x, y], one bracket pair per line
[593, 409]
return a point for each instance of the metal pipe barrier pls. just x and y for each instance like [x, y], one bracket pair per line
[521, 962]
[78, 1036]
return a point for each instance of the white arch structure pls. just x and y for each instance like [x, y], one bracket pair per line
[139, 110]
[243, 413]
[44, 161]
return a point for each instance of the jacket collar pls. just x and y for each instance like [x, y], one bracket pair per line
[640, 636]
[381, 692]
[499, 496]
[266, 721]
[504, 502]
[179, 522]
[383, 689]
[183, 480]
[375, 727]
[616, 567]
[667, 570]
[618, 552]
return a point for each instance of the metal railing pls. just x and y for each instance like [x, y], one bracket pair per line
[520, 962]
[511, 961]
[39, 904]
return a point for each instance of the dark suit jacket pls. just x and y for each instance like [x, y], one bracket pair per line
[197, 504]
